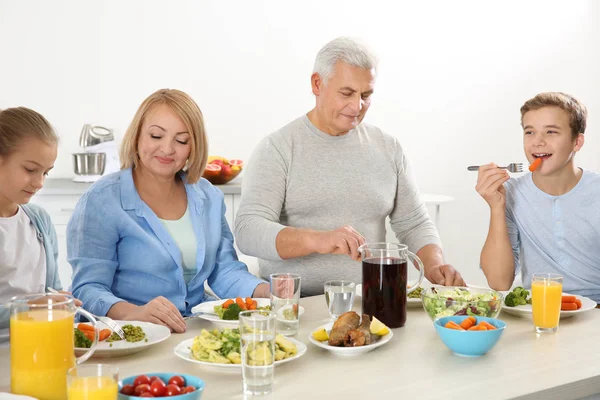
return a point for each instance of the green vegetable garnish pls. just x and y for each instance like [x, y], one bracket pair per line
[232, 313]
[518, 297]
[81, 341]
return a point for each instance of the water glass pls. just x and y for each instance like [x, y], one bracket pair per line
[93, 382]
[546, 296]
[257, 330]
[285, 301]
[339, 296]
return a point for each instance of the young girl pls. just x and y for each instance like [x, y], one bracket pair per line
[28, 244]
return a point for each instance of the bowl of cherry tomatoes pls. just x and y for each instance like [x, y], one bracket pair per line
[178, 386]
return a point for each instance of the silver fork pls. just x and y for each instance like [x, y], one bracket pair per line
[512, 167]
[105, 320]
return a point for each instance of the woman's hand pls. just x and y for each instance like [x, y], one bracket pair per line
[262, 290]
[162, 312]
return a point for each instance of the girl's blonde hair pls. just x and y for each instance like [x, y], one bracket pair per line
[20, 123]
[185, 108]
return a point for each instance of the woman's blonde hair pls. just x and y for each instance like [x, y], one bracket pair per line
[185, 108]
[20, 123]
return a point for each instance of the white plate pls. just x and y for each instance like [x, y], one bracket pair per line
[183, 350]
[209, 307]
[410, 302]
[154, 334]
[526, 311]
[348, 351]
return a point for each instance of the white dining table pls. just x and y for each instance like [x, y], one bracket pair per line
[415, 364]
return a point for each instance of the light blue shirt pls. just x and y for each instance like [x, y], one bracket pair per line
[557, 234]
[120, 251]
[182, 232]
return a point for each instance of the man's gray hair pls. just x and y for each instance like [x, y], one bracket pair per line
[347, 50]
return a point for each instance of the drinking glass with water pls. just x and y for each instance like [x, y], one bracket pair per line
[285, 302]
[339, 296]
[257, 330]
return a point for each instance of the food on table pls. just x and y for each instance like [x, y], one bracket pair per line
[360, 336]
[570, 303]
[132, 334]
[223, 347]
[230, 309]
[84, 335]
[378, 328]
[443, 302]
[415, 294]
[344, 324]
[146, 386]
[349, 331]
[517, 297]
[470, 324]
[220, 170]
[320, 335]
[535, 164]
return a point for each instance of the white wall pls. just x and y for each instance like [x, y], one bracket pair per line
[453, 76]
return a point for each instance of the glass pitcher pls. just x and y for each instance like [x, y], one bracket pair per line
[42, 344]
[385, 280]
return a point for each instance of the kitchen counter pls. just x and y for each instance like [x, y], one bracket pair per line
[415, 364]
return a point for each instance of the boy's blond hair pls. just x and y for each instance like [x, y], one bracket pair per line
[185, 108]
[19, 123]
[577, 111]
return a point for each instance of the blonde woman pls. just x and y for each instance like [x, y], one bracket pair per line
[143, 241]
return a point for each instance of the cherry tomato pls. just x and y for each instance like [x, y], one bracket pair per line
[177, 380]
[141, 379]
[173, 390]
[146, 394]
[158, 388]
[188, 389]
[153, 378]
[128, 390]
[143, 388]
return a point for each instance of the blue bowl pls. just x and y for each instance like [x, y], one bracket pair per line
[469, 343]
[190, 380]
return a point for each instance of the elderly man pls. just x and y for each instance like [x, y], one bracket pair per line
[313, 185]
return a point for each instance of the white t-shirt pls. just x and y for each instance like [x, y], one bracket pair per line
[22, 258]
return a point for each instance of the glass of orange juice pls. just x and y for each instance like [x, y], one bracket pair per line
[546, 295]
[93, 382]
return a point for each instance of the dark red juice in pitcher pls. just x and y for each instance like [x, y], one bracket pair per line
[384, 289]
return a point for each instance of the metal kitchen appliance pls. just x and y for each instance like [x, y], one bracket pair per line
[99, 155]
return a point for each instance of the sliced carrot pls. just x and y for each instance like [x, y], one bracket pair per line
[482, 327]
[227, 304]
[568, 306]
[578, 302]
[249, 301]
[474, 328]
[89, 334]
[535, 164]
[240, 302]
[453, 325]
[85, 327]
[252, 306]
[468, 322]
[488, 326]
[104, 334]
[569, 299]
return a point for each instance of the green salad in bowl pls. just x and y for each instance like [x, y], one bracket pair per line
[443, 301]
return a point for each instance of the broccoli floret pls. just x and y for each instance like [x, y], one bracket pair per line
[511, 300]
[518, 297]
[232, 313]
[81, 341]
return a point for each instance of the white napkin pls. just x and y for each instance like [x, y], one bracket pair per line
[8, 396]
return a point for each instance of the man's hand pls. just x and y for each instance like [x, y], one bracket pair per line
[444, 274]
[344, 240]
[162, 312]
[78, 302]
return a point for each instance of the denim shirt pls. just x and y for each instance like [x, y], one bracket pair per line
[120, 251]
[47, 235]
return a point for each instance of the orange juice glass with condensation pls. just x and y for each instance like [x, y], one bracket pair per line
[42, 344]
[546, 295]
[93, 382]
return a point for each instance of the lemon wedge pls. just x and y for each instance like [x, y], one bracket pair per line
[320, 335]
[378, 328]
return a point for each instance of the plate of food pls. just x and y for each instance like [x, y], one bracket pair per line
[351, 336]
[225, 313]
[220, 349]
[518, 303]
[138, 336]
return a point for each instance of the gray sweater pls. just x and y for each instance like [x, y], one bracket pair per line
[304, 178]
